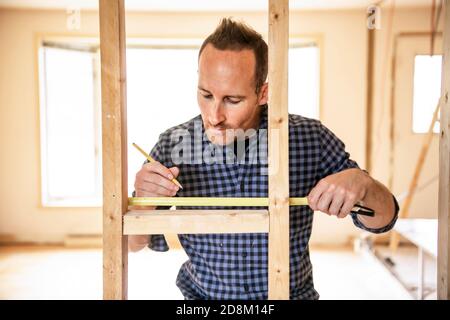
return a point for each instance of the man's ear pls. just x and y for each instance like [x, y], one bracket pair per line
[263, 94]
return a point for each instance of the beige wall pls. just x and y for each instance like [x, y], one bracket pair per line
[407, 145]
[343, 89]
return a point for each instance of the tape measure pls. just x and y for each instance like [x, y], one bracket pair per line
[209, 202]
[226, 202]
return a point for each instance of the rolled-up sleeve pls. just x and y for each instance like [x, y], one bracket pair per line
[386, 228]
[158, 242]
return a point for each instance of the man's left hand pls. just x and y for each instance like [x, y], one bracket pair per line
[337, 194]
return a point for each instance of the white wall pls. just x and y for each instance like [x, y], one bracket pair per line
[424, 204]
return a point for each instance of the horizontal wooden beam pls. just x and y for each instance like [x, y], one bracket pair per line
[210, 202]
[195, 221]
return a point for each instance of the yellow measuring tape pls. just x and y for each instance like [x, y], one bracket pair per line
[210, 202]
[228, 202]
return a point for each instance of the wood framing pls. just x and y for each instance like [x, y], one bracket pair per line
[278, 150]
[195, 221]
[443, 273]
[369, 94]
[114, 140]
[117, 223]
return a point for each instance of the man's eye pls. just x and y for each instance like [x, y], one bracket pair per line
[233, 101]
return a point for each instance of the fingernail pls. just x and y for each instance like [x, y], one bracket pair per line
[170, 176]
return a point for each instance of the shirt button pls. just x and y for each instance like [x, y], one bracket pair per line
[221, 244]
[246, 287]
[244, 255]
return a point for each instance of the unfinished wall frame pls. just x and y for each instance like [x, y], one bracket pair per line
[118, 221]
[443, 272]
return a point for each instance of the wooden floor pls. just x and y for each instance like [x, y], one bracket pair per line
[59, 273]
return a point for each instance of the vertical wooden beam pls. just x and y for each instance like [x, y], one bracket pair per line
[369, 95]
[114, 141]
[392, 109]
[278, 150]
[443, 274]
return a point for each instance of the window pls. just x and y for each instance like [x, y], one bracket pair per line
[70, 124]
[427, 91]
[304, 80]
[161, 93]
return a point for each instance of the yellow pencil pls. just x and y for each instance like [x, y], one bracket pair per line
[153, 160]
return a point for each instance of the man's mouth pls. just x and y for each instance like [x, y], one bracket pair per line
[219, 130]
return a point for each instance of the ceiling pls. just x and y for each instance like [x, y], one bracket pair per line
[205, 5]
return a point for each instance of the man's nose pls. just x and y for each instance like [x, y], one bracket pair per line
[217, 115]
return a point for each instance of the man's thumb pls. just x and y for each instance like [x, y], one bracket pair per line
[175, 171]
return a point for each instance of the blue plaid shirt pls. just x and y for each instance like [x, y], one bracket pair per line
[234, 266]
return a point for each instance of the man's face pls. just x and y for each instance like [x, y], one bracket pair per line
[226, 93]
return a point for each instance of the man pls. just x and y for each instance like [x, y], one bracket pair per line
[232, 96]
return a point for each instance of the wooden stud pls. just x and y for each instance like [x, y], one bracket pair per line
[278, 150]
[369, 95]
[114, 140]
[443, 272]
[195, 221]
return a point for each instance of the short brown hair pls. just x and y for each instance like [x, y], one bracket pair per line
[237, 36]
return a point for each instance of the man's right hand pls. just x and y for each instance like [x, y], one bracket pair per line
[153, 180]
